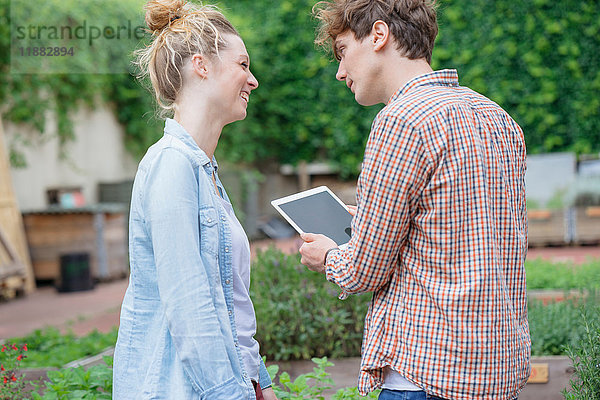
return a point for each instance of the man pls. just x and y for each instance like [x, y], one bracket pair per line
[439, 234]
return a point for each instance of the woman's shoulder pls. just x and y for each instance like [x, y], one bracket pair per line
[168, 150]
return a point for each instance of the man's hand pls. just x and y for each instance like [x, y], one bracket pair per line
[269, 394]
[313, 250]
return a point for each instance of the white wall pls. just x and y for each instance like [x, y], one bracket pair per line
[97, 155]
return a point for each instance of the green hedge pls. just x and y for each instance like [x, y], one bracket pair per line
[538, 59]
[543, 274]
[298, 313]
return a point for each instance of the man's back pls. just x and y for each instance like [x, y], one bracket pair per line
[442, 240]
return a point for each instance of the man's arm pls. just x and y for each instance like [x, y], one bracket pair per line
[395, 171]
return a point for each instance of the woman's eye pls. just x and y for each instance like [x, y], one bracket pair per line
[245, 64]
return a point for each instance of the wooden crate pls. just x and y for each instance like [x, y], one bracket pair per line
[98, 230]
[548, 227]
[587, 225]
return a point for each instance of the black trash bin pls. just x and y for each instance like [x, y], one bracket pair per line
[75, 274]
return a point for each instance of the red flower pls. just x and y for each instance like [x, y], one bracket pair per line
[3, 348]
[14, 378]
[20, 357]
[2, 367]
[5, 380]
[14, 347]
[25, 347]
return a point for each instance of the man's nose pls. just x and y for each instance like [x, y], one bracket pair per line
[341, 72]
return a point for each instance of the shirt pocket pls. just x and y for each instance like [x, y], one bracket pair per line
[209, 230]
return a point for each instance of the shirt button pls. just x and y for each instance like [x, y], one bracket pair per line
[223, 218]
[245, 375]
[226, 249]
[237, 344]
[209, 220]
[227, 281]
[230, 312]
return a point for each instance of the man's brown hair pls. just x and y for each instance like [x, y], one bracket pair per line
[412, 23]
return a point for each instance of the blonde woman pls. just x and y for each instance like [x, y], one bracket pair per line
[187, 321]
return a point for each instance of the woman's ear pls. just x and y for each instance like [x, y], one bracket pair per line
[380, 34]
[200, 65]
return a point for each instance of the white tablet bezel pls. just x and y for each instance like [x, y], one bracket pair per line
[275, 203]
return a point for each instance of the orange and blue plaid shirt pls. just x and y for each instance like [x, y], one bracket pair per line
[440, 238]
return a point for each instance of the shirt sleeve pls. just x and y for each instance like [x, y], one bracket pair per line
[172, 222]
[394, 173]
[263, 375]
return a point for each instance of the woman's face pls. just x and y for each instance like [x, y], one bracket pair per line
[233, 79]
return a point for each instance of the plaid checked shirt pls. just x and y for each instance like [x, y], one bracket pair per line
[440, 237]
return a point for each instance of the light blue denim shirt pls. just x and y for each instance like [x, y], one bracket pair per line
[177, 336]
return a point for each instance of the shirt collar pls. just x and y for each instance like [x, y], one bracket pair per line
[444, 77]
[175, 129]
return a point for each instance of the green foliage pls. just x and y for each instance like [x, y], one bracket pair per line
[298, 313]
[64, 87]
[311, 386]
[557, 325]
[586, 361]
[50, 348]
[95, 383]
[12, 384]
[537, 59]
[299, 111]
[542, 274]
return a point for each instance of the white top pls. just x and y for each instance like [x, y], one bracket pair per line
[245, 319]
[394, 381]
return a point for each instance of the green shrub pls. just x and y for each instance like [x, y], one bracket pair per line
[556, 326]
[298, 313]
[95, 383]
[311, 386]
[542, 274]
[586, 360]
[50, 348]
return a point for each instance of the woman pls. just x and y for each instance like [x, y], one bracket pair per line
[187, 321]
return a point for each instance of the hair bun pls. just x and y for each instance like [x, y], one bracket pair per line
[160, 13]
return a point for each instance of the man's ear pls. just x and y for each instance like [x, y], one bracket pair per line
[200, 65]
[380, 35]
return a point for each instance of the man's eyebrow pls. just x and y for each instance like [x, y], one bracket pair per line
[336, 45]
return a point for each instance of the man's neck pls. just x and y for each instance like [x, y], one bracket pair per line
[402, 71]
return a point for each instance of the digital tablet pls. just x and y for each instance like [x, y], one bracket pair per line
[317, 210]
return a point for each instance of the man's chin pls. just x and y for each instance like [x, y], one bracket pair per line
[364, 101]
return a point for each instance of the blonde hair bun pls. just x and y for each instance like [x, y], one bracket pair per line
[161, 13]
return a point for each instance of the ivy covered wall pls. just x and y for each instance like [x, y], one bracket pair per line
[536, 58]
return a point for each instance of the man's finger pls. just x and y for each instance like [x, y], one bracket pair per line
[308, 237]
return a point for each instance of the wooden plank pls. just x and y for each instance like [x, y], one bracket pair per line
[10, 218]
[539, 373]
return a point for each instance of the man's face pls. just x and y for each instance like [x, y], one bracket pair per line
[358, 67]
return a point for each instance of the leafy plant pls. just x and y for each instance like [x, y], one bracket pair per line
[555, 326]
[586, 361]
[95, 383]
[12, 385]
[50, 348]
[543, 274]
[312, 385]
[298, 313]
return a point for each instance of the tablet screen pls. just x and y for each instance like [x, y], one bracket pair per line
[320, 213]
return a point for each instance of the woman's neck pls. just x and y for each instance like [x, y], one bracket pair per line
[201, 125]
